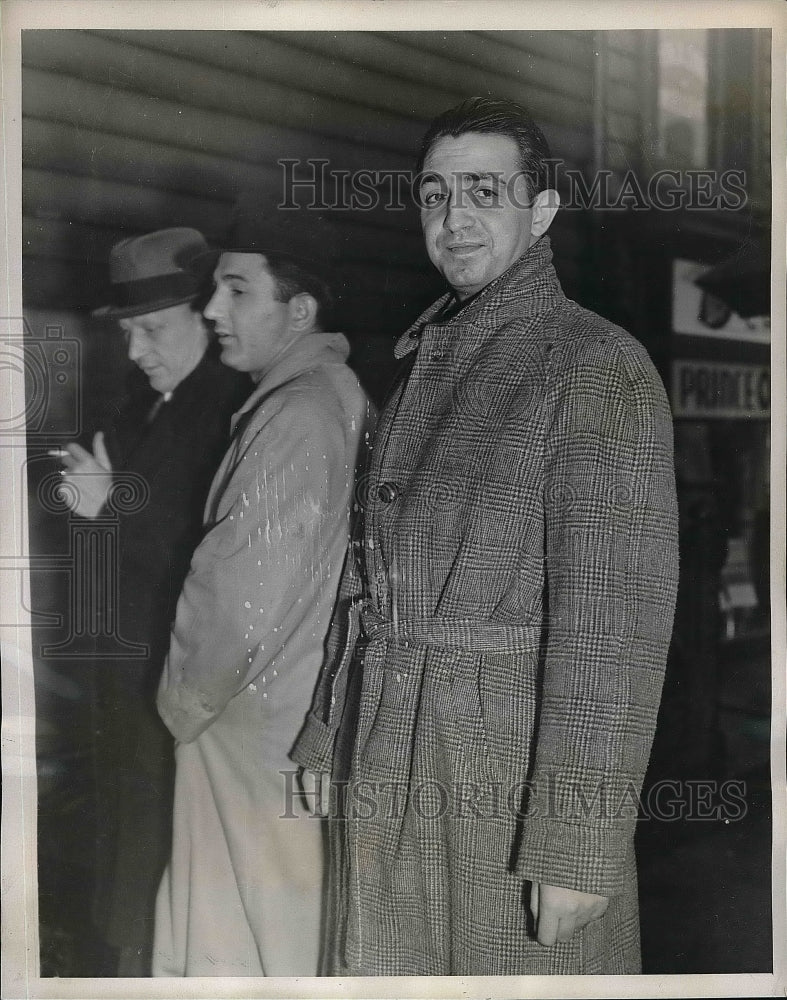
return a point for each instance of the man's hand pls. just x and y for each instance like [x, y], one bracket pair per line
[89, 476]
[559, 912]
[316, 790]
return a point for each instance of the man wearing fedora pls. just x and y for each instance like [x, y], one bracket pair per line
[242, 894]
[171, 432]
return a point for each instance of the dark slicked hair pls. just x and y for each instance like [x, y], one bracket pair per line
[292, 278]
[496, 117]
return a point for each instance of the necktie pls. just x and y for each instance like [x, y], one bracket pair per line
[154, 410]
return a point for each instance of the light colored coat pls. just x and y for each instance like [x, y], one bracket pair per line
[242, 893]
[518, 570]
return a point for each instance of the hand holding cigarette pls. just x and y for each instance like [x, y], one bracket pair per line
[88, 475]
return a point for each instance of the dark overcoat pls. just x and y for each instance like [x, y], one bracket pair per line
[174, 447]
[497, 696]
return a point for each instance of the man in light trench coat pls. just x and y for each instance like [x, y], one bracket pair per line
[242, 893]
[488, 707]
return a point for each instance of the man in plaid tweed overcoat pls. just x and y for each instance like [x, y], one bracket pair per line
[494, 673]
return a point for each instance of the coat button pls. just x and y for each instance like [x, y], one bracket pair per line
[387, 492]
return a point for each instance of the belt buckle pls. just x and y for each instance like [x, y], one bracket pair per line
[366, 619]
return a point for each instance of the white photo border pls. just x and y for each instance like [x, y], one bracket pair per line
[20, 978]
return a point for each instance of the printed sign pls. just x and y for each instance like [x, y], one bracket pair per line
[715, 389]
[701, 315]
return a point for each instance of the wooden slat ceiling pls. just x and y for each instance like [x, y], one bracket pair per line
[129, 131]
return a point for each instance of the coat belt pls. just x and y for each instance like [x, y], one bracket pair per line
[471, 634]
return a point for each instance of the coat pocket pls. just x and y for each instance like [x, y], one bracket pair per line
[388, 715]
[508, 705]
[466, 701]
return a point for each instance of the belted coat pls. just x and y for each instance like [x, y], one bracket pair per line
[498, 649]
[242, 894]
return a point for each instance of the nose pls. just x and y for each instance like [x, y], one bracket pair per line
[213, 310]
[136, 344]
[457, 210]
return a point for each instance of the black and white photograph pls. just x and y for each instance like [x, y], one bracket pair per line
[392, 445]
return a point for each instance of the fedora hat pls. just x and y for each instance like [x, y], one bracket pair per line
[259, 225]
[153, 272]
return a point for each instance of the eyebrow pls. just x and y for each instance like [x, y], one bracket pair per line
[491, 177]
[487, 176]
[150, 326]
[231, 277]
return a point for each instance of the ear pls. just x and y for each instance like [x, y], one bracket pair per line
[544, 210]
[303, 309]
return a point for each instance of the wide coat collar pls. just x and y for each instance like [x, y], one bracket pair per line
[530, 286]
[305, 354]
[147, 416]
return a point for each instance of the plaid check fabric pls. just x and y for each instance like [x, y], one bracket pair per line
[521, 475]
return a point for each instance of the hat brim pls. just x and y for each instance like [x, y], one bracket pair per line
[207, 261]
[142, 308]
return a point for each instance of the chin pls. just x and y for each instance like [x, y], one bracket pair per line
[231, 361]
[465, 278]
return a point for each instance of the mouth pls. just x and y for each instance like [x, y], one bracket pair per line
[463, 249]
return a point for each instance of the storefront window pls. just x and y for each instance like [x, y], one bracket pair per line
[683, 98]
[742, 459]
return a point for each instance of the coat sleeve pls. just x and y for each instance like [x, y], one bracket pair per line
[610, 516]
[265, 554]
[314, 747]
